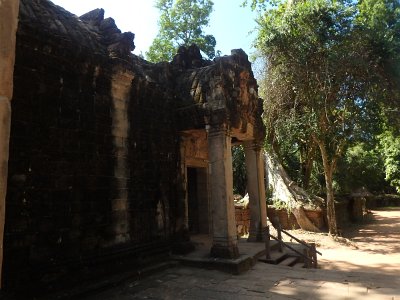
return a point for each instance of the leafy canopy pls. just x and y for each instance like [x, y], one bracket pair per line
[328, 62]
[390, 147]
[181, 23]
[315, 74]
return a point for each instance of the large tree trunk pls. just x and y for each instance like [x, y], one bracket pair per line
[284, 189]
[330, 205]
[329, 168]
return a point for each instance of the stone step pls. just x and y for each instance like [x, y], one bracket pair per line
[275, 257]
[299, 265]
[289, 261]
[287, 257]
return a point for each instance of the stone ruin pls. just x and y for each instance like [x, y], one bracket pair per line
[114, 161]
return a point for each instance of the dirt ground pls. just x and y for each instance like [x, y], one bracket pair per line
[373, 246]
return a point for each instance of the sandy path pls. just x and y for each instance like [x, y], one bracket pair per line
[372, 247]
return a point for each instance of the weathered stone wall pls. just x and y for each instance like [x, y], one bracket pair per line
[8, 27]
[242, 217]
[93, 155]
[222, 92]
[96, 178]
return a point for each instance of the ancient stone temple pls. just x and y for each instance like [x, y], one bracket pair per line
[114, 161]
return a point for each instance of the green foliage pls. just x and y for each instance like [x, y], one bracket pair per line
[390, 147]
[181, 24]
[281, 205]
[378, 22]
[239, 170]
[361, 166]
[331, 69]
[260, 5]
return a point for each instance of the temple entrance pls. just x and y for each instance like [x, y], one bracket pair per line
[198, 200]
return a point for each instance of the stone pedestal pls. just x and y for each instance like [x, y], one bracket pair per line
[223, 211]
[256, 190]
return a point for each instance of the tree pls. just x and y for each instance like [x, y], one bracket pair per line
[280, 188]
[361, 166]
[181, 24]
[390, 147]
[323, 67]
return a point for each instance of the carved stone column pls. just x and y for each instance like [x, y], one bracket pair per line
[256, 190]
[221, 183]
[8, 27]
[120, 91]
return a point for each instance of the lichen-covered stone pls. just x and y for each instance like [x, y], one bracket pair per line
[220, 92]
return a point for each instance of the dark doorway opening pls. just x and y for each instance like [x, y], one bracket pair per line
[198, 200]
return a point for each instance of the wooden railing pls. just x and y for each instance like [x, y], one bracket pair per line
[310, 251]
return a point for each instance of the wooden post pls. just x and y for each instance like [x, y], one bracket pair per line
[267, 244]
[280, 237]
[314, 255]
[307, 255]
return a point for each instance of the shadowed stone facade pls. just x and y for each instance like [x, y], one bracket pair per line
[113, 161]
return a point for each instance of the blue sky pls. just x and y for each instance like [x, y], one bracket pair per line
[230, 24]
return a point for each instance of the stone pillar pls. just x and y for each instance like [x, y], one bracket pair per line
[8, 27]
[120, 92]
[182, 221]
[256, 190]
[224, 235]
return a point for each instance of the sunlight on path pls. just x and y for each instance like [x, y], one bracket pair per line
[376, 246]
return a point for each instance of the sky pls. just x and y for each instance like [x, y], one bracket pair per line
[229, 23]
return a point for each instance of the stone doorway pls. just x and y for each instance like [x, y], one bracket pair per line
[198, 200]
